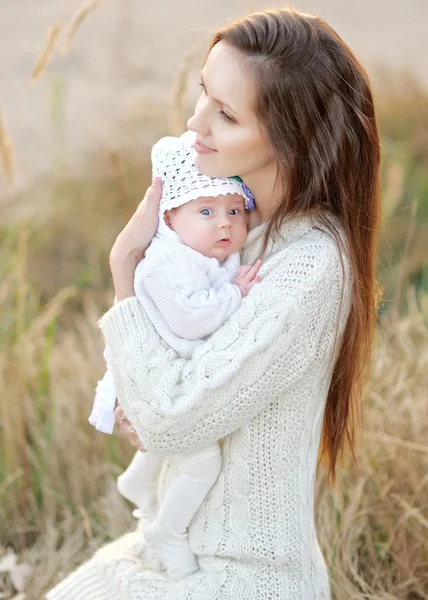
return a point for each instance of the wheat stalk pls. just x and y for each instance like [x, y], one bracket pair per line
[391, 439]
[6, 151]
[46, 54]
[176, 117]
[50, 312]
[402, 267]
[77, 19]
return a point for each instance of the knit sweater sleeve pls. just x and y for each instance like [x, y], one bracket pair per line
[254, 359]
[194, 297]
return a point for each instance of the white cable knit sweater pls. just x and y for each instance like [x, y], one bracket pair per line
[259, 384]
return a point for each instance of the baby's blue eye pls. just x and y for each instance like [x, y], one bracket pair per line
[234, 210]
[204, 209]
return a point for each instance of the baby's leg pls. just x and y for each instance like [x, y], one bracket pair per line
[168, 533]
[139, 482]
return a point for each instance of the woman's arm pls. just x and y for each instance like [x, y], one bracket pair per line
[273, 340]
[133, 241]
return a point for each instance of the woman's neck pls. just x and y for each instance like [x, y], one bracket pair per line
[266, 194]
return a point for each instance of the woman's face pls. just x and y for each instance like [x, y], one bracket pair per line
[229, 139]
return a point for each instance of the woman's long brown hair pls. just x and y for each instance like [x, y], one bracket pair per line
[316, 108]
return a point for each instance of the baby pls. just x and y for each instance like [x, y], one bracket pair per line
[189, 282]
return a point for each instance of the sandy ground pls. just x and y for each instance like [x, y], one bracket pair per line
[114, 87]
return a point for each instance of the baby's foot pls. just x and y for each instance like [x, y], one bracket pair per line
[173, 550]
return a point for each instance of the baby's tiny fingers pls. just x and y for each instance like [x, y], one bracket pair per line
[243, 270]
[256, 266]
[252, 278]
[255, 280]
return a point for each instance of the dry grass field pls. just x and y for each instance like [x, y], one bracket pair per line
[58, 500]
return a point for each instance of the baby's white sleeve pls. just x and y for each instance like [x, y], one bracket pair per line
[102, 415]
[183, 293]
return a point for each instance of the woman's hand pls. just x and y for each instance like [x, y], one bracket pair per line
[127, 430]
[133, 240]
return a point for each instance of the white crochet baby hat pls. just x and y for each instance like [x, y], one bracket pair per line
[173, 161]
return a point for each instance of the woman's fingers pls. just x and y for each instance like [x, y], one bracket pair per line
[135, 440]
[133, 240]
[149, 206]
[127, 430]
[154, 195]
[118, 413]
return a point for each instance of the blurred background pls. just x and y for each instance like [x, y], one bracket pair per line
[125, 57]
[85, 89]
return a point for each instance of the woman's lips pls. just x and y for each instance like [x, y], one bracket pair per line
[201, 149]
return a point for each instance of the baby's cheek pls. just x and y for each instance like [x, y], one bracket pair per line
[242, 236]
[244, 229]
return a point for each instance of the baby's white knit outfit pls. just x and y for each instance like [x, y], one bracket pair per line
[187, 296]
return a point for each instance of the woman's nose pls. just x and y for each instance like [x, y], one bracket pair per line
[198, 122]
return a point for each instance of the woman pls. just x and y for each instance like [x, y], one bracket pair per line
[286, 106]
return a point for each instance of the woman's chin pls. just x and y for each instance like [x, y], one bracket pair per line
[206, 164]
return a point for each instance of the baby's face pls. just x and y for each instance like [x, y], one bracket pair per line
[215, 227]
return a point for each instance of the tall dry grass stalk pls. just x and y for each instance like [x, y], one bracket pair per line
[6, 151]
[46, 54]
[177, 119]
[373, 527]
[402, 268]
[394, 186]
[76, 21]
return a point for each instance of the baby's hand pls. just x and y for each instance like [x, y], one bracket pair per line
[247, 277]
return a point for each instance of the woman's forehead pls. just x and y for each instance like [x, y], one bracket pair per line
[229, 78]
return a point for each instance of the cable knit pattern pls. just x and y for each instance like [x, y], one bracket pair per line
[259, 385]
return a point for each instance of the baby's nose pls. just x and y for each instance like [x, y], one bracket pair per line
[225, 223]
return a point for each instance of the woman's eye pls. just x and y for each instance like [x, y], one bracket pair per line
[204, 211]
[226, 117]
